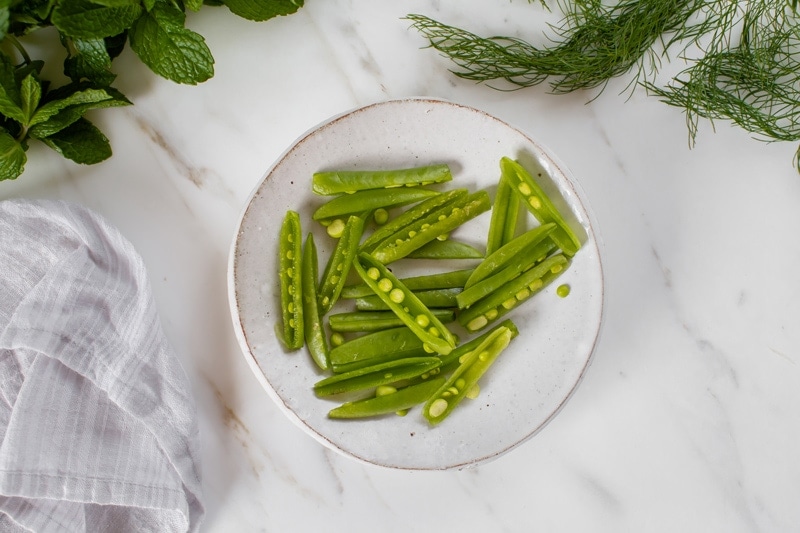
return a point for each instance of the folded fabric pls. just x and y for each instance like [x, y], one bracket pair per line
[98, 430]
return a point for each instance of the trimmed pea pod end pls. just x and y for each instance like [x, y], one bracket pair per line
[290, 280]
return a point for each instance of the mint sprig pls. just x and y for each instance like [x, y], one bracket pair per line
[91, 34]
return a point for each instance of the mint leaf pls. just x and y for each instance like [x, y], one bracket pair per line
[81, 142]
[162, 42]
[260, 10]
[12, 157]
[10, 101]
[30, 94]
[88, 59]
[194, 5]
[5, 16]
[59, 113]
[87, 20]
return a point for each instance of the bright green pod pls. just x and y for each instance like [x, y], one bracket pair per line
[456, 356]
[510, 295]
[339, 263]
[509, 252]
[446, 249]
[392, 228]
[316, 342]
[376, 347]
[432, 299]
[399, 400]
[350, 204]
[405, 304]
[291, 285]
[505, 215]
[425, 230]
[473, 367]
[538, 203]
[365, 321]
[439, 280]
[349, 181]
[376, 375]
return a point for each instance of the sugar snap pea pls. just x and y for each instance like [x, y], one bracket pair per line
[313, 329]
[349, 204]
[411, 215]
[348, 181]
[427, 229]
[291, 285]
[446, 249]
[439, 280]
[523, 261]
[393, 402]
[431, 298]
[505, 214]
[456, 356]
[473, 367]
[375, 375]
[509, 252]
[538, 203]
[364, 321]
[408, 308]
[507, 297]
[338, 266]
[376, 347]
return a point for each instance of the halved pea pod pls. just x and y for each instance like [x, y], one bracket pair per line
[429, 228]
[384, 404]
[339, 263]
[376, 347]
[507, 297]
[446, 249]
[474, 365]
[433, 298]
[538, 203]
[291, 284]
[375, 375]
[405, 304]
[439, 280]
[350, 204]
[314, 332]
[348, 181]
[505, 215]
[365, 321]
[411, 215]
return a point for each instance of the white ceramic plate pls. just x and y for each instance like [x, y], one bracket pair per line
[529, 382]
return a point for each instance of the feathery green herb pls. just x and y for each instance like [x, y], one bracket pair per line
[92, 33]
[743, 57]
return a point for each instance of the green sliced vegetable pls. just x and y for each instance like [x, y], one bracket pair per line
[505, 214]
[473, 367]
[440, 280]
[358, 202]
[339, 263]
[429, 228]
[291, 283]
[446, 249]
[376, 347]
[507, 297]
[314, 331]
[364, 321]
[375, 375]
[348, 181]
[393, 402]
[432, 298]
[405, 304]
[538, 203]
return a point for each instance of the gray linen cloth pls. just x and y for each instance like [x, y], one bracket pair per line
[98, 428]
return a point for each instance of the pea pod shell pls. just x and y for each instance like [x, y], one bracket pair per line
[433, 298]
[364, 321]
[339, 263]
[404, 398]
[315, 339]
[379, 346]
[290, 280]
[446, 249]
[505, 215]
[348, 204]
[440, 280]
[342, 181]
[375, 375]
[474, 366]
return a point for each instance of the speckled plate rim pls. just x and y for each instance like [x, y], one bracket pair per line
[252, 361]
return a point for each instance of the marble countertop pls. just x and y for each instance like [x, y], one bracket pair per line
[687, 420]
